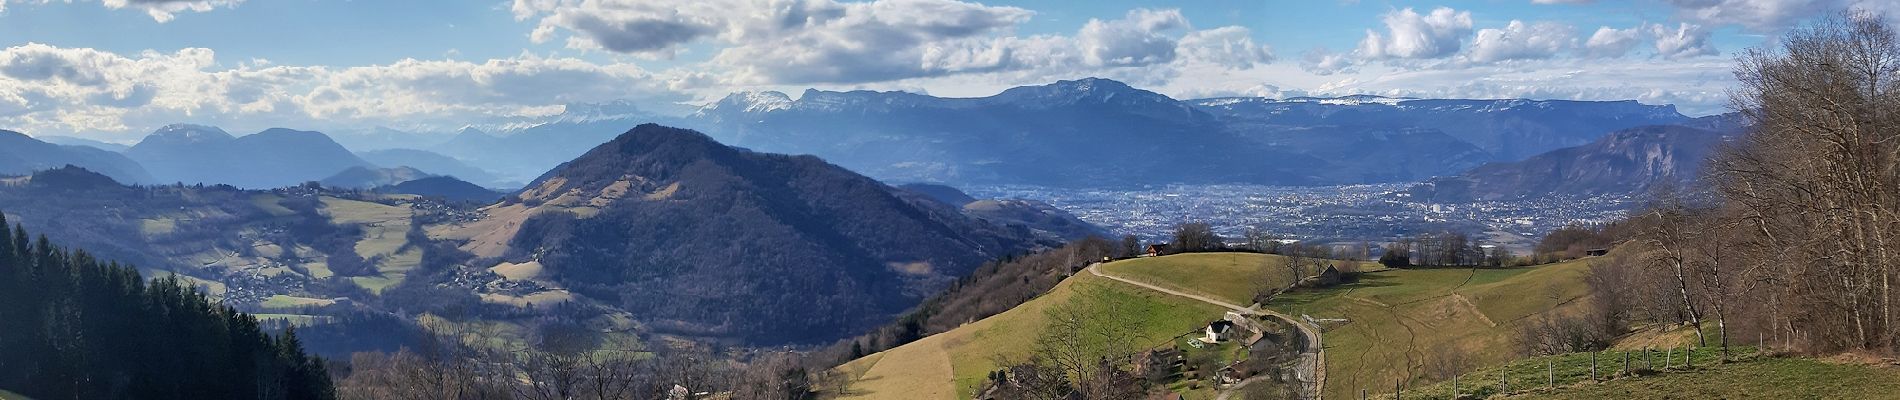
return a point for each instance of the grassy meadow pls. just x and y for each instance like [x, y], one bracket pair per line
[951, 365]
[1389, 325]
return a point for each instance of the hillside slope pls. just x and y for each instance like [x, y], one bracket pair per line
[1390, 325]
[951, 365]
[715, 241]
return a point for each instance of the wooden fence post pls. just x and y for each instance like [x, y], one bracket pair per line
[1398, 387]
[1504, 381]
[1454, 387]
[1593, 365]
[1550, 372]
[1688, 353]
[1626, 362]
[1647, 364]
[1669, 358]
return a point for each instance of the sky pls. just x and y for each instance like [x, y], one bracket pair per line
[115, 70]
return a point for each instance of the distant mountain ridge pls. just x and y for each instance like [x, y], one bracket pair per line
[1624, 162]
[75, 141]
[1087, 132]
[1099, 132]
[21, 155]
[1429, 137]
[435, 163]
[276, 157]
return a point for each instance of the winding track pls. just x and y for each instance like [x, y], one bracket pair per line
[1312, 365]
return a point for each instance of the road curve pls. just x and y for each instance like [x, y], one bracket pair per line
[1312, 365]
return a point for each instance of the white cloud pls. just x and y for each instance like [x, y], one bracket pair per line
[1757, 15]
[1136, 40]
[1520, 41]
[1698, 87]
[164, 10]
[1231, 46]
[1325, 62]
[663, 26]
[1562, 1]
[1685, 40]
[53, 89]
[1410, 35]
[1610, 42]
[160, 10]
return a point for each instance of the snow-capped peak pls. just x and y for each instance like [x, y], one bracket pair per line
[192, 133]
[751, 102]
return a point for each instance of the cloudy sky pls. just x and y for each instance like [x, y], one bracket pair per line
[117, 69]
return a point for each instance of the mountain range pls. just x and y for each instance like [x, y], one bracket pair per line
[1080, 133]
[21, 155]
[695, 238]
[273, 158]
[1092, 132]
[1085, 132]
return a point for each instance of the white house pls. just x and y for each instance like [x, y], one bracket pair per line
[1219, 331]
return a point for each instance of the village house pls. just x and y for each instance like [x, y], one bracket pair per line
[1219, 331]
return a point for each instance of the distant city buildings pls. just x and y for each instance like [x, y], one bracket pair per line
[1315, 213]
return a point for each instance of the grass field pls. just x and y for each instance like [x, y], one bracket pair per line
[1230, 277]
[385, 232]
[158, 226]
[1760, 378]
[270, 204]
[951, 365]
[1398, 320]
[376, 284]
[282, 301]
[1538, 374]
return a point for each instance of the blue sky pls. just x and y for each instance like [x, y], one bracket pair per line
[116, 69]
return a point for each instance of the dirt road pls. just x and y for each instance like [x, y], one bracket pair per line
[1311, 370]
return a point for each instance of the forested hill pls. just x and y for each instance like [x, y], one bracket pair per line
[718, 241]
[81, 328]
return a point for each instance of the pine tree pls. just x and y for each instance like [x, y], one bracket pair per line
[82, 328]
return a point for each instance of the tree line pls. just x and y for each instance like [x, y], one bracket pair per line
[80, 327]
[1788, 242]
